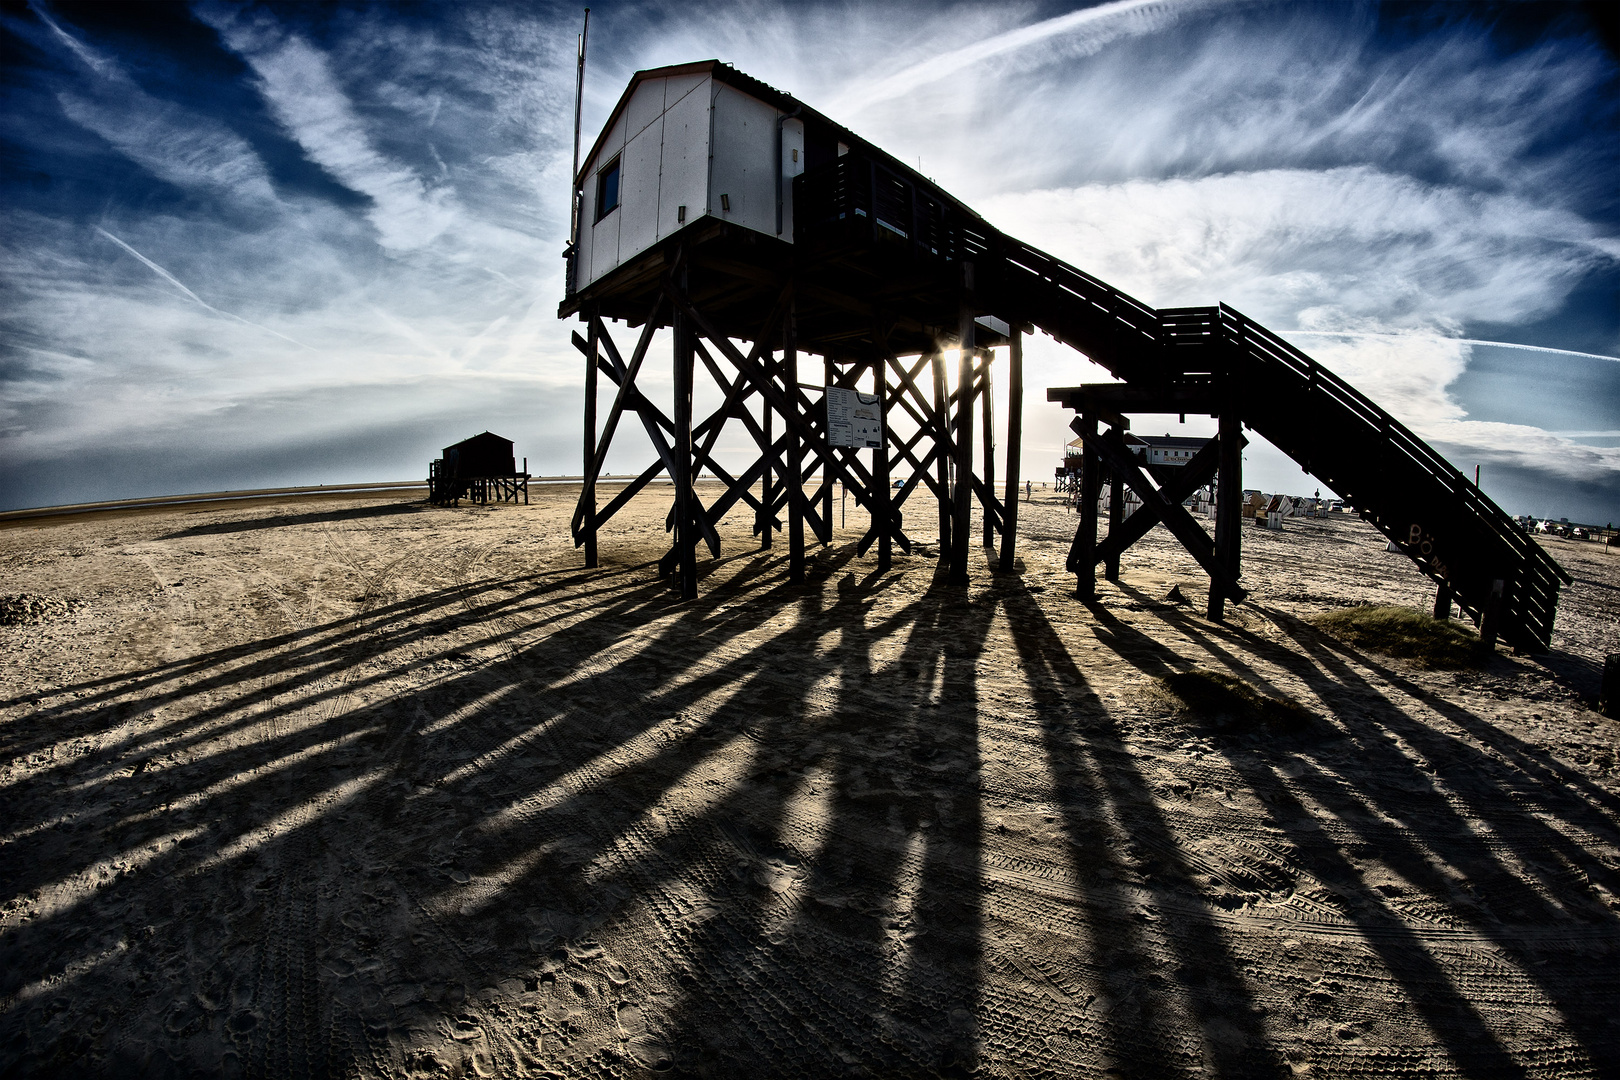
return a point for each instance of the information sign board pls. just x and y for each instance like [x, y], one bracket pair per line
[853, 419]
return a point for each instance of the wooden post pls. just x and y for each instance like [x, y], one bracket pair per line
[589, 496]
[1442, 600]
[763, 517]
[1490, 615]
[942, 437]
[1228, 506]
[1116, 516]
[1083, 552]
[882, 505]
[686, 532]
[831, 374]
[1015, 436]
[963, 516]
[795, 463]
[988, 419]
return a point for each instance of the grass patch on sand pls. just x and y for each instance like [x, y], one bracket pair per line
[1404, 633]
[1226, 704]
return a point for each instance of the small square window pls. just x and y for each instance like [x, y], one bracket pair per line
[607, 190]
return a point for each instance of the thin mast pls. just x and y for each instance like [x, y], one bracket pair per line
[579, 101]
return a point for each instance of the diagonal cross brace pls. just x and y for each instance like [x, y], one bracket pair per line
[1189, 479]
[653, 421]
[620, 400]
[794, 415]
[1172, 514]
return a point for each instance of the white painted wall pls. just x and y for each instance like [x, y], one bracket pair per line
[685, 140]
[743, 164]
[686, 152]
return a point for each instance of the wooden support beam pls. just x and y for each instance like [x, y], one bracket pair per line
[656, 424]
[1172, 514]
[962, 515]
[798, 414]
[992, 524]
[1083, 550]
[686, 510]
[883, 514]
[621, 399]
[1228, 506]
[795, 475]
[765, 523]
[1015, 436]
[587, 496]
[1443, 597]
[768, 452]
[1116, 518]
[1128, 530]
[629, 492]
[942, 438]
[1110, 400]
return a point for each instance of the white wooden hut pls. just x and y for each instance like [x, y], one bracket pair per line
[694, 141]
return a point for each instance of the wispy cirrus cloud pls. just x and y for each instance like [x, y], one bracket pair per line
[299, 86]
[175, 144]
[1314, 165]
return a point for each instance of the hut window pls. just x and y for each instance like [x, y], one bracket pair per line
[607, 190]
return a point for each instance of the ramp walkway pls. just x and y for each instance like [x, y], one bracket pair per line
[873, 218]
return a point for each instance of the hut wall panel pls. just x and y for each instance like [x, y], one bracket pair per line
[744, 161]
[645, 106]
[604, 246]
[638, 189]
[685, 175]
[677, 87]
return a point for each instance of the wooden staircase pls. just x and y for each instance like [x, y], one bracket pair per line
[1451, 530]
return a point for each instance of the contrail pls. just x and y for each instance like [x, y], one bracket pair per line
[91, 59]
[176, 282]
[1097, 25]
[1460, 341]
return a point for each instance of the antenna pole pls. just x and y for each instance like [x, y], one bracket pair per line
[579, 101]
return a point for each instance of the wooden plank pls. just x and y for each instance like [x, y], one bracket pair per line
[1082, 550]
[942, 438]
[1015, 438]
[1228, 505]
[986, 489]
[686, 510]
[587, 496]
[963, 494]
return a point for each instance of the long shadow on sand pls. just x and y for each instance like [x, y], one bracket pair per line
[763, 832]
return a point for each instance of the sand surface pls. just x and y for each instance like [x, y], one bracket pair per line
[370, 788]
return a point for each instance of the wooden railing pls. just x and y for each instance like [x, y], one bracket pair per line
[1393, 478]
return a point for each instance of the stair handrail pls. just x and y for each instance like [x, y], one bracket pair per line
[1402, 437]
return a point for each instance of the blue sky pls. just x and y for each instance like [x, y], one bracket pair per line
[286, 244]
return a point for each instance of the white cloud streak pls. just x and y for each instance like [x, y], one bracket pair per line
[300, 88]
[177, 283]
[1353, 334]
[1081, 32]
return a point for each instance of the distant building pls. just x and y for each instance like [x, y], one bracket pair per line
[482, 468]
[1164, 449]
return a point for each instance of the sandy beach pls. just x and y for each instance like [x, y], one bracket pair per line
[366, 788]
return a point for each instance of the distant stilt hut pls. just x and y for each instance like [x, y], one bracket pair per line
[481, 469]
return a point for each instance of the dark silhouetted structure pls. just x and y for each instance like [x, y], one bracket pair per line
[481, 469]
[731, 212]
